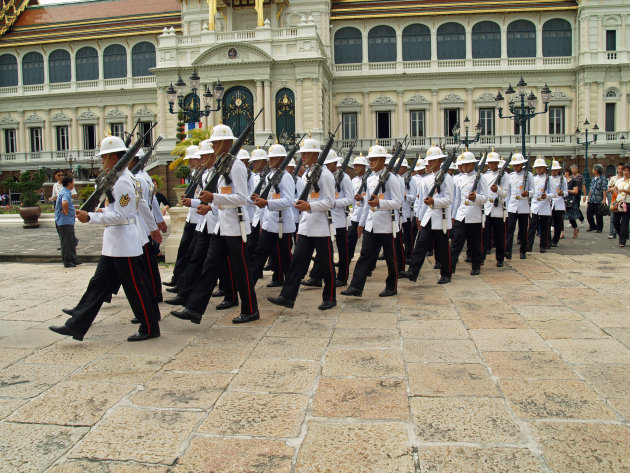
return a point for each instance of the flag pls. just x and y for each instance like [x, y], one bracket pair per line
[193, 126]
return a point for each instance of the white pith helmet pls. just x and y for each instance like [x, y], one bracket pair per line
[277, 151]
[221, 132]
[310, 145]
[434, 152]
[111, 144]
[540, 163]
[243, 154]
[517, 158]
[205, 147]
[493, 157]
[332, 157]
[556, 166]
[258, 154]
[466, 158]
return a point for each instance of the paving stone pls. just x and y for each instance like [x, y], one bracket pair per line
[24, 449]
[25, 381]
[292, 327]
[546, 312]
[562, 399]
[508, 340]
[585, 448]
[219, 359]
[182, 390]
[9, 406]
[361, 398]
[331, 447]
[429, 312]
[493, 320]
[285, 376]
[364, 338]
[592, 351]
[444, 379]
[367, 320]
[257, 415]
[168, 345]
[72, 466]
[609, 318]
[440, 351]
[622, 406]
[120, 369]
[70, 353]
[481, 306]
[230, 336]
[138, 434]
[454, 459]
[433, 329]
[8, 356]
[291, 348]
[235, 455]
[571, 329]
[72, 403]
[268, 316]
[354, 305]
[621, 334]
[608, 380]
[531, 364]
[463, 420]
[30, 338]
[364, 363]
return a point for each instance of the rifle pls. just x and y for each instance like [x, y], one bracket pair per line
[108, 180]
[403, 152]
[143, 160]
[129, 136]
[409, 173]
[224, 163]
[316, 170]
[389, 169]
[339, 173]
[482, 164]
[195, 180]
[261, 181]
[279, 172]
[439, 179]
[296, 171]
[548, 175]
[500, 175]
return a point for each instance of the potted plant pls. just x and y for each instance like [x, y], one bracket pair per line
[180, 165]
[86, 192]
[30, 210]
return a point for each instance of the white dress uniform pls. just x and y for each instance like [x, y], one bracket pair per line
[152, 200]
[379, 219]
[516, 203]
[252, 210]
[491, 210]
[356, 206]
[229, 198]
[494, 228]
[540, 205]
[314, 222]
[471, 211]
[557, 184]
[299, 187]
[343, 199]
[281, 202]
[541, 213]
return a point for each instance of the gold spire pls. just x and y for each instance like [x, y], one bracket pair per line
[310, 135]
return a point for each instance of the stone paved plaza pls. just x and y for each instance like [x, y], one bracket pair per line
[524, 369]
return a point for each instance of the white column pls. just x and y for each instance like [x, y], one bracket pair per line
[468, 42]
[22, 139]
[268, 106]
[433, 44]
[299, 112]
[434, 113]
[315, 101]
[623, 123]
[47, 139]
[130, 121]
[600, 34]
[623, 37]
[260, 124]
[73, 129]
[100, 131]
[400, 125]
[587, 101]
[364, 45]
[399, 49]
[367, 126]
[601, 106]
[469, 108]
[161, 113]
[503, 41]
[539, 42]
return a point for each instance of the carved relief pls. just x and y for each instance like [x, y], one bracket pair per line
[60, 117]
[88, 116]
[115, 114]
[555, 96]
[219, 55]
[487, 97]
[383, 100]
[416, 99]
[8, 121]
[145, 112]
[452, 98]
[34, 118]
[349, 102]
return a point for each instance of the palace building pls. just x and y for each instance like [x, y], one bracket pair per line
[70, 73]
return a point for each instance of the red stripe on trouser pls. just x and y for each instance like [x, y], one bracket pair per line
[279, 260]
[449, 252]
[332, 276]
[347, 268]
[482, 241]
[395, 266]
[146, 317]
[150, 270]
[402, 250]
[249, 292]
[232, 281]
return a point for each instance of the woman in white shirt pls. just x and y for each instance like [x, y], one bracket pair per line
[621, 206]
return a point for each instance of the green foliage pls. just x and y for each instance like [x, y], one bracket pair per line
[181, 127]
[192, 137]
[27, 186]
[158, 180]
[86, 192]
[182, 172]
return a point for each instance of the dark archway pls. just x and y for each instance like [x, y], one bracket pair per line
[238, 110]
[285, 114]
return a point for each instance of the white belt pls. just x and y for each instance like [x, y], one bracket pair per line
[129, 221]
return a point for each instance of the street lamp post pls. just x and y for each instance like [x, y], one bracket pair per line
[585, 142]
[466, 141]
[194, 112]
[524, 114]
[71, 159]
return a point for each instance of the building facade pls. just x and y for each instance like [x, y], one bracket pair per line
[384, 69]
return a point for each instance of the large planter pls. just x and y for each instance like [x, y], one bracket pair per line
[179, 192]
[30, 215]
[171, 245]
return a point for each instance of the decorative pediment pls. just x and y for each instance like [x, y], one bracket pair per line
[232, 53]
[115, 114]
[60, 117]
[8, 121]
[145, 112]
[349, 102]
[417, 99]
[383, 100]
[559, 96]
[88, 116]
[452, 98]
[487, 97]
[34, 118]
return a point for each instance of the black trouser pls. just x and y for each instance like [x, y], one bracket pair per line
[252, 241]
[469, 233]
[370, 249]
[183, 253]
[129, 271]
[194, 266]
[494, 231]
[621, 220]
[522, 220]
[557, 220]
[304, 247]
[353, 237]
[279, 249]
[429, 239]
[154, 283]
[224, 252]
[68, 244]
[341, 241]
[401, 260]
[543, 221]
[407, 237]
[595, 220]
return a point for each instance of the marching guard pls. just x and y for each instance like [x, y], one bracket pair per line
[541, 207]
[361, 166]
[521, 183]
[494, 208]
[558, 206]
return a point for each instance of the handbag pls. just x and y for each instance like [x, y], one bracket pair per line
[569, 200]
[603, 210]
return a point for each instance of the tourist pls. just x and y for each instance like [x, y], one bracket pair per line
[64, 218]
[575, 186]
[596, 196]
[612, 196]
[621, 206]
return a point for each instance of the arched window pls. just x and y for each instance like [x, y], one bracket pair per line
[348, 46]
[382, 44]
[451, 41]
[285, 112]
[416, 43]
[142, 59]
[86, 64]
[8, 70]
[32, 69]
[114, 62]
[486, 40]
[59, 69]
[556, 38]
[238, 110]
[521, 39]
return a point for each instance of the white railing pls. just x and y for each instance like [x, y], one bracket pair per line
[451, 63]
[33, 88]
[115, 82]
[35, 156]
[9, 157]
[486, 62]
[382, 66]
[284, 32]
[143, 80]
[557, 61]
[530, 61]
[61, 154]
[60, 85]
[186, 40]
[410, 65]
[8, 90]
[236, 35]
[87, 84]
[348, 67]
[612, 136]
